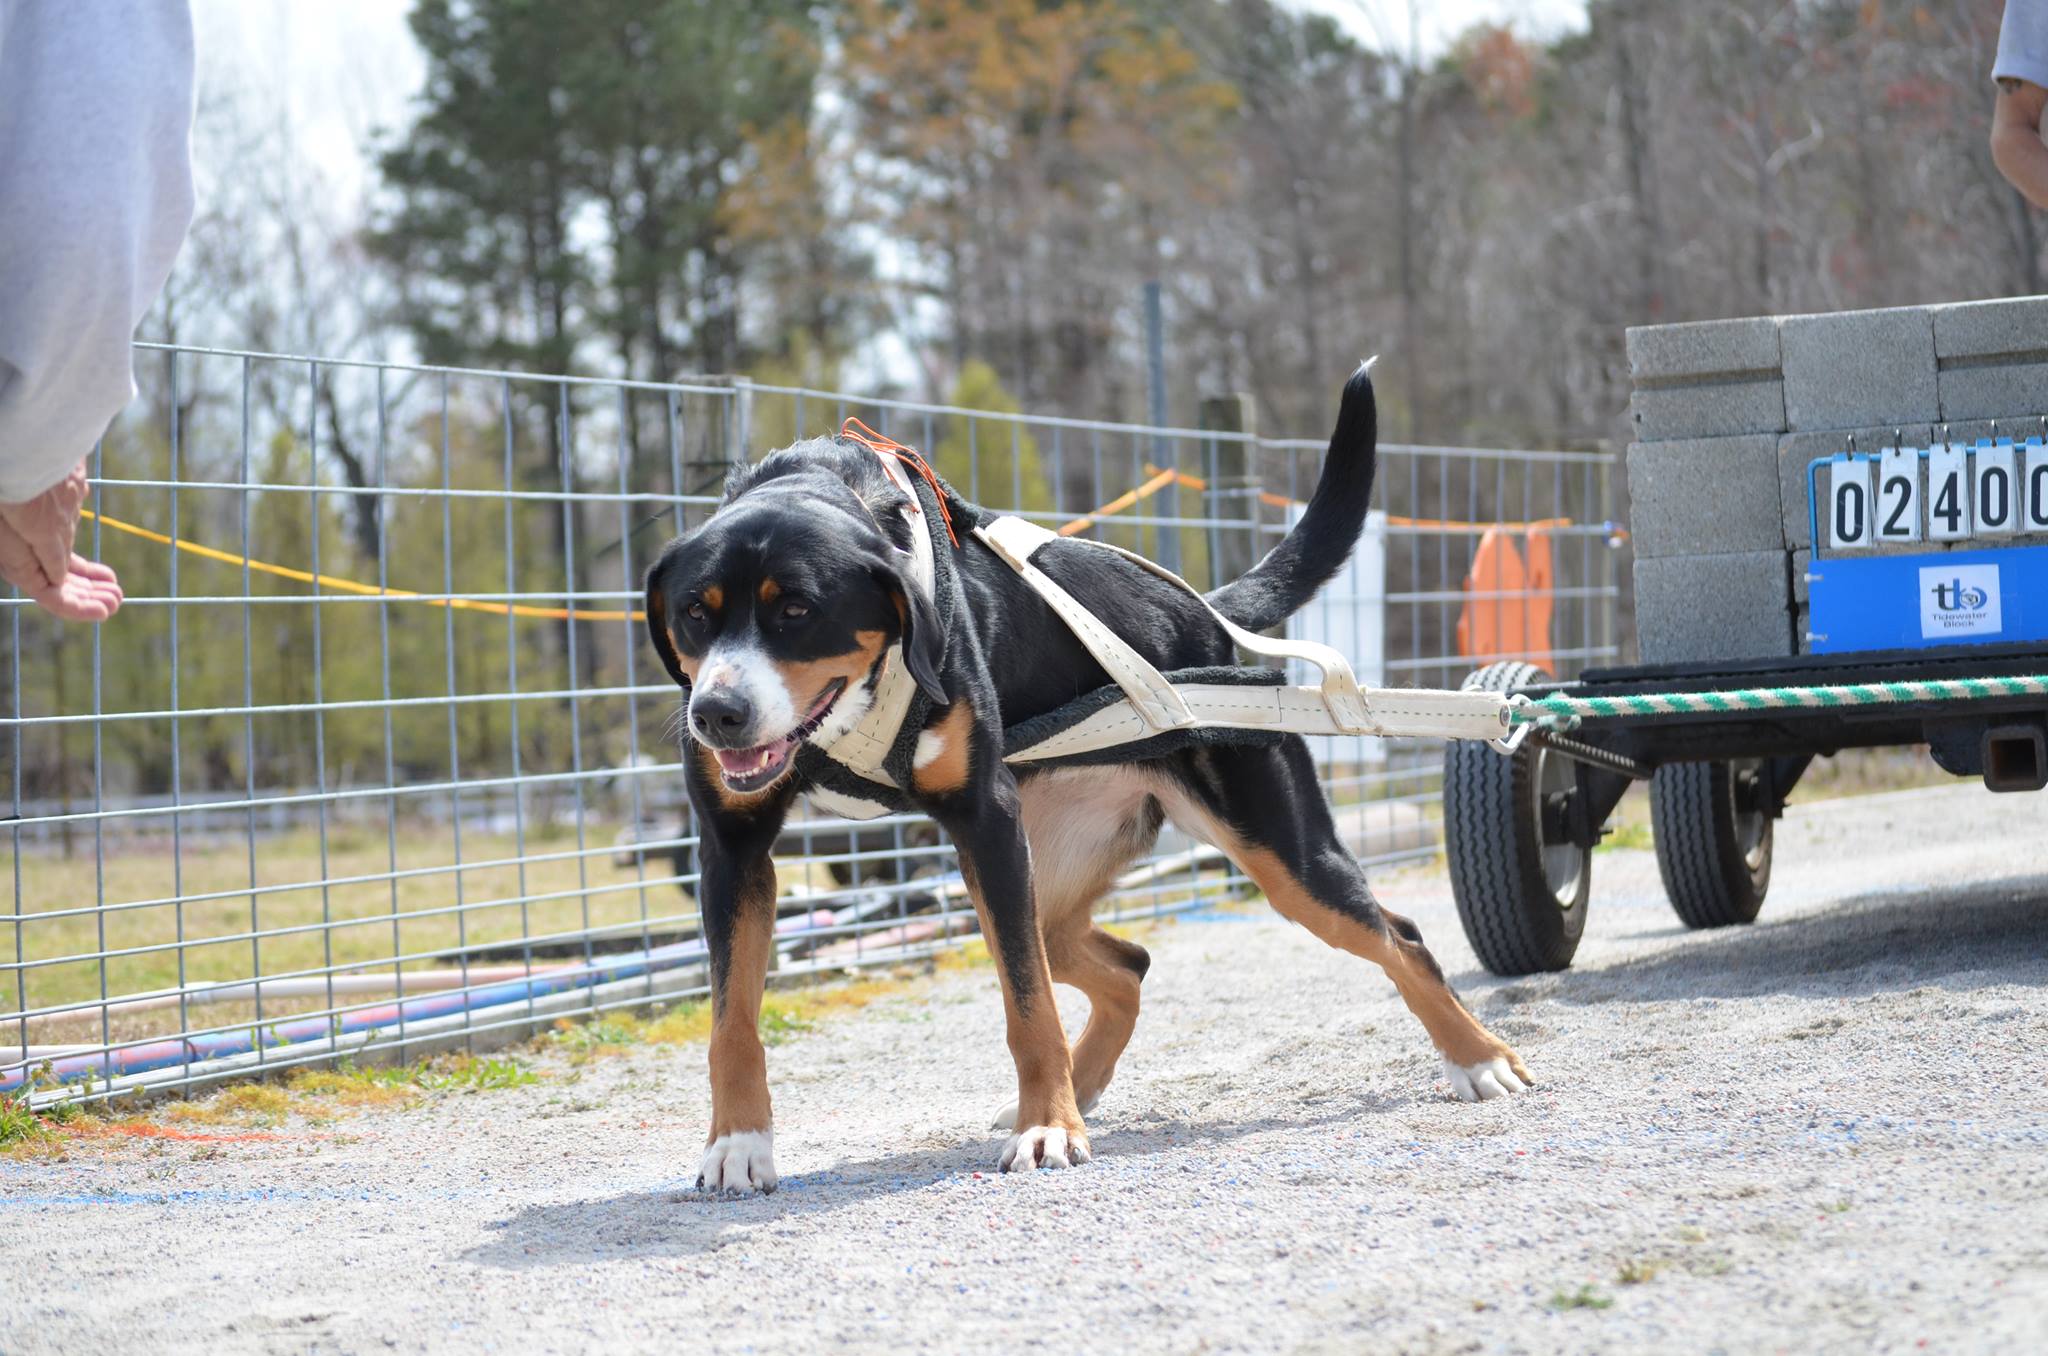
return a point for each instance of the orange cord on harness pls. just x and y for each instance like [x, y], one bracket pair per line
[854, 430]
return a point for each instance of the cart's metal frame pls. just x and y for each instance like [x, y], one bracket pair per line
[2000, 739]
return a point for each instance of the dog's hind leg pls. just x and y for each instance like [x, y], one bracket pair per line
[1085, 825]
[1265, 808]
[1109, 970]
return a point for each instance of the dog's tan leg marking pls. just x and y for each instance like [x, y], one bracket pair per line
[1101, 966]
[1452, 1027]
[1047, 1114]
[739, 1150]
[1086, 825]
[945, 752]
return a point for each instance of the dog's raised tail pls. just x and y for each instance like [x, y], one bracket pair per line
[1310, 555]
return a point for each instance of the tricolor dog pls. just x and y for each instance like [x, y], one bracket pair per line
[841, 632]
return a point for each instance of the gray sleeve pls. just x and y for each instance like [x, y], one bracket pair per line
[2023, 43]
[95, 196]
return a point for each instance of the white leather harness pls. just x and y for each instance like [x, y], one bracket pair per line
[1151, 704]
[865, 747]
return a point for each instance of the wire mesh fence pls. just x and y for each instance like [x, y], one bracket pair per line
[374, 757]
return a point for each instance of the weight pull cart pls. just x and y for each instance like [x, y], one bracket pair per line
[1924, 634]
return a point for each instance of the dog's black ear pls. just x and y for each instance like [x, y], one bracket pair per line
[657, 625]
[924, 643]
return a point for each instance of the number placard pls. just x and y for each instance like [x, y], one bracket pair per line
[1995, 490]
[1898, 494]
[1849, 512]
[2034, 486]
[1948, 494]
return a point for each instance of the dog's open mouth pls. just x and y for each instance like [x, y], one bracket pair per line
[749, 770]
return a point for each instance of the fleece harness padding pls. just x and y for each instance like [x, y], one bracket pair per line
[1144, 713]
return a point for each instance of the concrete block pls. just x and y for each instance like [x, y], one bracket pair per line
[1993, 358]
[1703, 608]
[1802, 563]
[1705, 496]
[1723, 406]
[1976, 329]
[1704, 348]
[1851, 369]
[1709, 379]
[2015, 392]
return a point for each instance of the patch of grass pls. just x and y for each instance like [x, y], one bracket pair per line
[1840, 1207]
[1636, 1271]
[1691, 1233]
[683, 1024]
[397, 1084]
[971, 955]
[22, 1130]
[603, 1036]
[362, 931]
[244, 1104]
[1585, 1297]
[1630, 834]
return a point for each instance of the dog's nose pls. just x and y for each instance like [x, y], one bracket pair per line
[720, 714]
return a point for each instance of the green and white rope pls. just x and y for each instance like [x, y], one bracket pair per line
[1561, 711]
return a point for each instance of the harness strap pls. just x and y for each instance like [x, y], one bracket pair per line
[1338, 706]
[1150, 693]
[865, 746]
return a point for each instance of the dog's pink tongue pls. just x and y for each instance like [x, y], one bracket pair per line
[739, 762]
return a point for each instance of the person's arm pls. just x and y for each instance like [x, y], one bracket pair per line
[95, 196]
[2016, 139]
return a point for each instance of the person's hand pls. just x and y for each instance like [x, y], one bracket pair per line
[36, 555]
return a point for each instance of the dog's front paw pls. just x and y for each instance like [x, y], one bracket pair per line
[1489, 1078]
[1044, 1146]
[739, 1163]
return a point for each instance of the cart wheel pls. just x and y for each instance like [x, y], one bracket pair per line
[1713, 841]
[1521, 884]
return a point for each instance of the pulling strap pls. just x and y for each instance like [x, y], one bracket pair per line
[1152, 705]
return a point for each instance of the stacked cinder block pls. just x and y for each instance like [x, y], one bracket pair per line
[1712, 575]
[1728, 414]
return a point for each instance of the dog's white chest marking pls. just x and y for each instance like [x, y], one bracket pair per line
[844, 806]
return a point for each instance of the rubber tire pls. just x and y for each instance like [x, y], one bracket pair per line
[1699, 850]
[1511, 916]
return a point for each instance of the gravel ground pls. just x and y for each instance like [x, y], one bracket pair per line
[1827, 1132]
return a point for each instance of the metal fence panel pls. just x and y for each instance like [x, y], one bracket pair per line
[373, 759]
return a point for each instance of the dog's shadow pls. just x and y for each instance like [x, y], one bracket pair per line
[678, 1221]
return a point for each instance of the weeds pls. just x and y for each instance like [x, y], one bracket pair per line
[21, 1128]
[1585, 1297]
[249, 1103]
[385, 1085]
[1636, 1271]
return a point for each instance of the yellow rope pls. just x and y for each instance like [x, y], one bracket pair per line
[328, 581]
[1159, 481]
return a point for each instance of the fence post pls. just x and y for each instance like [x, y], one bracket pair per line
[740, 428]
[1233, 485]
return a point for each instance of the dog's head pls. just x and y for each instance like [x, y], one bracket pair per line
[773, 617]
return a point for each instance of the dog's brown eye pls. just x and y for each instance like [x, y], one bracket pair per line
[697, 612]
[795, 611]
